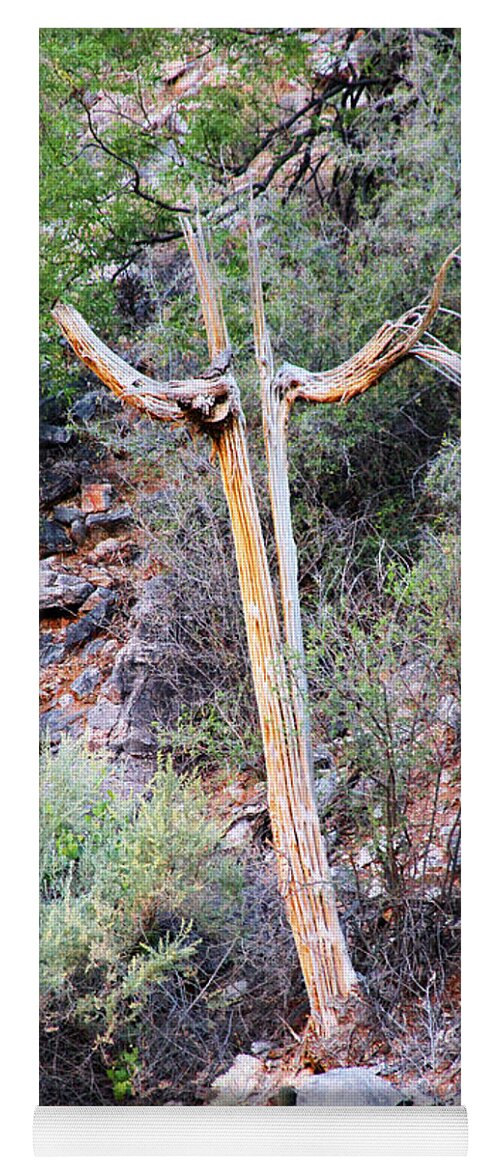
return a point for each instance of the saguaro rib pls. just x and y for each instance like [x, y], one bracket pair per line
[390, 345]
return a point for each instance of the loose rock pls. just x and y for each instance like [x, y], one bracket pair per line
[61, 591]
[87, 682]
[95, 619]
[59, 721]
[111, 519]
[53, 538]
[103, 715]
[67, 513]
[96, 497]
[326, 779]
[51, 652]
[246, 1078]
[96, 402]
[57, 481]
[51, 436]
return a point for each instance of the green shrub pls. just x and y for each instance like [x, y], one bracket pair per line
[114, 870]
[146, 925]
[380, 670]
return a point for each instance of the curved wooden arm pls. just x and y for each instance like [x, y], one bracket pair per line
[208, 397]
[393, 342]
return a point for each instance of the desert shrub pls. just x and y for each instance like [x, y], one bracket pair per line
[161, 955]
[110, 869]
[108, 864]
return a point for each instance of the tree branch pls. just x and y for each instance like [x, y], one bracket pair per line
[136, 175]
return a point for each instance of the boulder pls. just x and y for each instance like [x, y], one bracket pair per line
[356, 1086]
[61, 591]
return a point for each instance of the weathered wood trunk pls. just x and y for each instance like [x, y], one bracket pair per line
[304, 877]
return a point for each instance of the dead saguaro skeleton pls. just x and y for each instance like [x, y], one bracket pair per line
[211, 403]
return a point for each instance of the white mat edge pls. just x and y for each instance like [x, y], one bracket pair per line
[249, 1130]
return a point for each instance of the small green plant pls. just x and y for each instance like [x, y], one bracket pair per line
[121, 1074]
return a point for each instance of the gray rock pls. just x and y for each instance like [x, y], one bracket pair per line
[52, 408]
[66, 513]
[138, 680]
[103, 716]
[245, 1079]
[326, 779]
[58, 480]
[53, 538]
[51, 652]
[61, 591]
[232, 993]
[97, 618]
[60, 721]
[239, 835]
[96, 402]
[353, 1087]
[260, 1048]
[97, 645]
[87, 682]
[111, 519]
[51, 436]
[325, 785]
[78, 531]
[449, 713]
